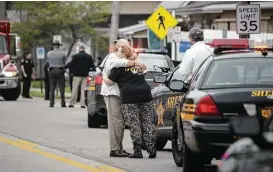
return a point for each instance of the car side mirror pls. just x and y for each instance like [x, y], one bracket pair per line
[245, 126]
[177, 85]
[160, 79]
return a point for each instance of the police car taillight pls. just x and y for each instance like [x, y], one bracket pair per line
[88, 80]
[98, 79]
[206, 107]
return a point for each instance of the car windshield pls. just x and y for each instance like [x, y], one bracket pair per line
[3, 47]
[239, 72]
[153, 60]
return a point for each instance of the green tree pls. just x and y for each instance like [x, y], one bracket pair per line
[45, 19]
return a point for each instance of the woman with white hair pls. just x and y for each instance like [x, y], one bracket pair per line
[136, 99]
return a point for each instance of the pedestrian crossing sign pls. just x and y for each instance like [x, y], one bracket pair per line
[160, 21]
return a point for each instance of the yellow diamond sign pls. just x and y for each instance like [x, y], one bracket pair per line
[160, 21]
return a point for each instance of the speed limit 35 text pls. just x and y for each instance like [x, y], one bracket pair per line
[248, 13]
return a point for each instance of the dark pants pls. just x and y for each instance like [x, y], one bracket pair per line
[47, 86]
[71, 87]
[26, 86]
[56, 76]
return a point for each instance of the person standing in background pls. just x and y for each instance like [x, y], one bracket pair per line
[56, 59]
[28, 71]
[99, 61]
[46, 79]
[80, 65]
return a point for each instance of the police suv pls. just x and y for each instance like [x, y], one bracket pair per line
[237, 80]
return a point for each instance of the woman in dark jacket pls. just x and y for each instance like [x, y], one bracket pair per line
[137, 107]
[28, 72]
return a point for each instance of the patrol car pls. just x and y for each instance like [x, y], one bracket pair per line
[156, 61]
[165, 102]
[237, 80]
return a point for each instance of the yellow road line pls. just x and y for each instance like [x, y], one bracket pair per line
[24, 142]
[109, 168]
[28, 146]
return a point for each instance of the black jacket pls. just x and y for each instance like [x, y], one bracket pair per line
[81, 64]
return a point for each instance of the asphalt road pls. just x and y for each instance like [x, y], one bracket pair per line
[34, 137]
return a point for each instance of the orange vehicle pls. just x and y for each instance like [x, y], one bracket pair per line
[10, 87]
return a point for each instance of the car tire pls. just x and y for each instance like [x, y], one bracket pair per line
[192, 162]
[93, 121]
[12, 94]
[160, 144]
[177, 153]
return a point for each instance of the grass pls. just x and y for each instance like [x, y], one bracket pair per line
[42, 95]
[37, 84]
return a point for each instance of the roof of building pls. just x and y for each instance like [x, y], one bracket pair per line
[172, 4]
[132, 29]
[197, 7]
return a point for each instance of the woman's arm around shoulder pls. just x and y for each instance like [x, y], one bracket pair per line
[113, 77]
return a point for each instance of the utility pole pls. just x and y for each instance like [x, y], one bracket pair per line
[243, 36]
[114, 22]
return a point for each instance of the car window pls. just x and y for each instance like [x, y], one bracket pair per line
[177, 75]
[150, 60]
[198, 73]
[3, 48]
[239, 72]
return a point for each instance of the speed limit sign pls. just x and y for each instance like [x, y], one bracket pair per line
[248, 18]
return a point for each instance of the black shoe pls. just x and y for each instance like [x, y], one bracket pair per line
[152, 154]
[117, 153]
[71, 106]
[125, 152]
[51, 105]
[136, 155]
[64, 106]
[83, 107]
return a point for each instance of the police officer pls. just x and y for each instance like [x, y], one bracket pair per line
[197, 53]
[46, 80]
[56, 59]
[28, 72]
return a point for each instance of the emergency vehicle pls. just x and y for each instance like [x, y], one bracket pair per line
[10, 87]
[237, 80]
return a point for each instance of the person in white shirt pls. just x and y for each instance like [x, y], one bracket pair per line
[112, 100]
[196, 54]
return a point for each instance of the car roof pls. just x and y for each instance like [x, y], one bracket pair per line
[154, 54]
[242, 54]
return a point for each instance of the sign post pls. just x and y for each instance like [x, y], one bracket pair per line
[40, 57]
[248, 19]
[176, 39]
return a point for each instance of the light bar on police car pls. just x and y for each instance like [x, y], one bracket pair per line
[230, 43]
[144, 50]
[242, 44]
